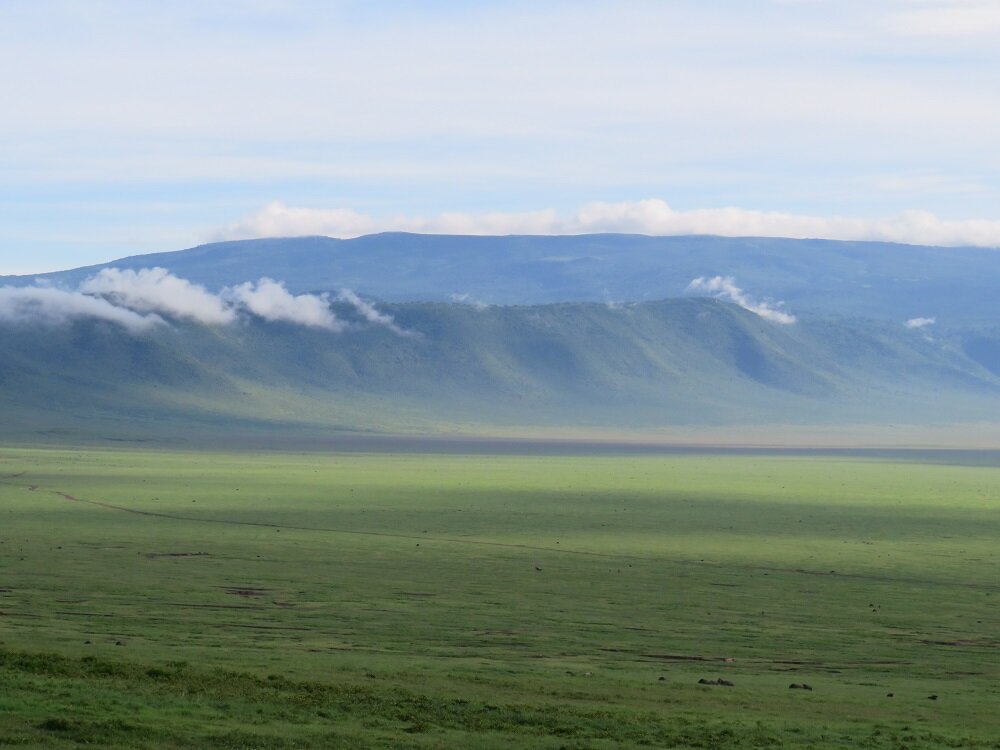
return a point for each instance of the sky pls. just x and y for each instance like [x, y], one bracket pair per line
[131, 127]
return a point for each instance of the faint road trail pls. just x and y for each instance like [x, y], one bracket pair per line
[510, 545]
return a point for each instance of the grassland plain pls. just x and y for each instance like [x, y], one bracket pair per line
[154, 599]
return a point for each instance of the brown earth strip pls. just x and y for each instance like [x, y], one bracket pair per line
[982, 642]
[220, 606]
[246, 592]
[155, 555]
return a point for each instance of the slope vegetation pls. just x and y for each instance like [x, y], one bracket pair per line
[674, 362]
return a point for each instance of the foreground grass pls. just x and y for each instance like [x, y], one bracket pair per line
[114, 704]
[241, 600]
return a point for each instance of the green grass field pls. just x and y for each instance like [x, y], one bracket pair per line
[156, 599]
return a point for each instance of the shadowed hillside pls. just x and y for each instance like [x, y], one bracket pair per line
[674, 362]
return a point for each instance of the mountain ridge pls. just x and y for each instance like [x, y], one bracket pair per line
[582, 357]
[878, 280]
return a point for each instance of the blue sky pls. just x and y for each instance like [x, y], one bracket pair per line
[132, 127]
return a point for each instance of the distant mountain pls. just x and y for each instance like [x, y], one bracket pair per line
[889, 282]
[674, 362]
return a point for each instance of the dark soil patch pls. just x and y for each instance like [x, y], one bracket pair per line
[220, 606]
[154, 555]
[247, 591]
[676, 657]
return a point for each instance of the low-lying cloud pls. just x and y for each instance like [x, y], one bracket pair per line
[139, 300]
[917, 323]
[724, 287]
[158, 290]
[368, 311]
[47, 305]
[467, 299]
[652, 216]
[269, 299]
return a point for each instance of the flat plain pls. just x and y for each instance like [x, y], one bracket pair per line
[166, 599]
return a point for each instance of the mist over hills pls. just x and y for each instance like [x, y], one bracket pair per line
[675, 362]
[956, 286]
[117, 352]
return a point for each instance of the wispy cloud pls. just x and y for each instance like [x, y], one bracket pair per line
[465, 298]
[369, 312]
[917, 182]
[725, 287]
[651, 216]
[920, 322]
[48, 306]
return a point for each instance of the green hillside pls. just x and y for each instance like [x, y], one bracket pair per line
[673, 362]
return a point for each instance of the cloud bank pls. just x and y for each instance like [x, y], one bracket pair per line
[136, 300]
[50, 306]
[158, 290]
[724, 287]
[652, 216]
[270, 300]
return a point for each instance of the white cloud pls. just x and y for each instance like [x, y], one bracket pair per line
[122, 296]
[156, 289]
[51, 306]
[270, 300]
[467, 299]
[793, 103]
[725, 288]
[368, 311]
[652, 216]
[920, 322]
[278, 220]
